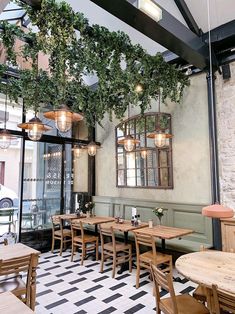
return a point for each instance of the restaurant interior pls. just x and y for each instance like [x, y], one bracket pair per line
[101, 209]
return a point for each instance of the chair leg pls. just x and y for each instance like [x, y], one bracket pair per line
[97, 250]
[102, 262]
[53, 244]
[72, 250]
[137, 276]
[83, 253]
[61, 246]
[114, 266]
[130, 261]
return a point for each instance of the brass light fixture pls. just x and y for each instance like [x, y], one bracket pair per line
[92, 148]
[77, 149]
[128, 141]
[63, 117]
[160, 136]
[35, 128]
[5, 135]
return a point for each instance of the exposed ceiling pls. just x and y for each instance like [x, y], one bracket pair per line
[221, 12]
[192, 18]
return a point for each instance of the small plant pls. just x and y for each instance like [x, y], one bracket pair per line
[89, 206]
[159, 212]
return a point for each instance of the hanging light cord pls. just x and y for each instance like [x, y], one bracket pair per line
[210, 50]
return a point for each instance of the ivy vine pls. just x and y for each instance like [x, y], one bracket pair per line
[92, 50]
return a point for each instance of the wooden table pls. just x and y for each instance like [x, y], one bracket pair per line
[18, 250]
[125, 227]
[164, 233]
[69, 216]
[96, 220]
[10, 304]
[209, 267]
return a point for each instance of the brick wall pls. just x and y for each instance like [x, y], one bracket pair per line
[225, 99]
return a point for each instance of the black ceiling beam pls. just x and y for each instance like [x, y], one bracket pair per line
[169, 32]
[187, 15]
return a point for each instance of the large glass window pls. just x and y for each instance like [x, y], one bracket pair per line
[153, 169]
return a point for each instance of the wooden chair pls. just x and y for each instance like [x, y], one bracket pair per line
[180, 304]
[9, 214]
[150, 257]
[119, 252]
[59, 233]
[223, 302]
[11, 279]
[84, 241]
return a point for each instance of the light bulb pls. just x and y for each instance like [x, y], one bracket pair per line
[129, 144]
[35, 132]
[160, 139]
[63, 120]
[77, 152]
[139, 88]
[5, 140]
[143, 153]
[91, 148]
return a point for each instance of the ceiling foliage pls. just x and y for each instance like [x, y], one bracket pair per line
[118, 65]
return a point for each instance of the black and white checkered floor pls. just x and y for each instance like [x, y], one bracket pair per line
[67, 287]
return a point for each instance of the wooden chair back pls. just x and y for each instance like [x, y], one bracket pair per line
[145, 240]
[222, 301]
[163, 280]
[107, 232]
[18, 265]
[56, 223]
[77, 226]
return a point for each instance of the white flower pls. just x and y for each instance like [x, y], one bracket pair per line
[160, 210]
[86, 205]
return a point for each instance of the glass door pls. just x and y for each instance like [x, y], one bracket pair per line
[43, 191]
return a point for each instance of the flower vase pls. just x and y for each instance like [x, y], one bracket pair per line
[160, 220]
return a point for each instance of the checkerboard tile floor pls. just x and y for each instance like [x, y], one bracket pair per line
[67, 287]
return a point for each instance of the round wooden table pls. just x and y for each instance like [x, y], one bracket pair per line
[209, 267]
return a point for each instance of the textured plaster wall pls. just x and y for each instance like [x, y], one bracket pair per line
[191, 164]
[225, 102]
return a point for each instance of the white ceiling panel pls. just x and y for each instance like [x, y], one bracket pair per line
[221, 12]
[97, 15]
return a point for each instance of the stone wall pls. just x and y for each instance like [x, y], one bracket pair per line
[225, 102]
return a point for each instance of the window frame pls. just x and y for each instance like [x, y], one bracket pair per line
[157, 167]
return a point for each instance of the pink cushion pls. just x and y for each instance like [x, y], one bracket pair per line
[217, 211]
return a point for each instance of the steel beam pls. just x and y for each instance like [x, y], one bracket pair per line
[189, 19]
[169, 32]
[3, 4]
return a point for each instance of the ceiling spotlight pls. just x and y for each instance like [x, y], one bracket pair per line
[150, 8]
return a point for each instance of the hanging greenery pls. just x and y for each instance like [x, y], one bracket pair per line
[118, 65]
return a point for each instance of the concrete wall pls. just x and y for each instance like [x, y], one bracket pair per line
[225, 100]
[191, 164]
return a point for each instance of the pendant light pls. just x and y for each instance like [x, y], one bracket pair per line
[160, 136]
[143, 152]
[77, 149]
[63, 117]
[5, 135]
[92, 148]
[129, 141]
[35, 128]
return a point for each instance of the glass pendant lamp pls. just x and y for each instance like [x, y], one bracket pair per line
[128, 141]
[159, 135]
[63, 118]
[92, 148]
[35, 128]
